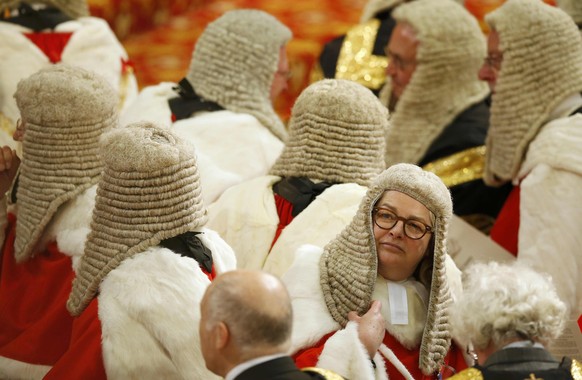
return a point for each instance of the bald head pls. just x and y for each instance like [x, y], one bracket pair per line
[259, 291]
[254, 308]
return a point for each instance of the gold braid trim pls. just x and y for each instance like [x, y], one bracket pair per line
[576, 370]
[468, 374]
[327, 374]
[356, 61]
[461, 167]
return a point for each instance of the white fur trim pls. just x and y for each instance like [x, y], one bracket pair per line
[319, 223]
[557, 145]
[344, 354]
[230, 147]
[309, 308]
[454, 278]
[551, 208]
[152, 105]
[17, 370]
[246, 217]
[381, 371]
[250, 229]
[149, 312]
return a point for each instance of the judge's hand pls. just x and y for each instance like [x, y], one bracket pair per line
[9, 163]
[371, 327]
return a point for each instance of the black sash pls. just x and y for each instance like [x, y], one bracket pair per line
[299, 191]
[189, 102]
[37, 20]
[189, 245]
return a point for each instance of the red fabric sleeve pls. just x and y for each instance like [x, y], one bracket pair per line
[454, 361]
[308, 357]
[35, 326]
[84, 358]
[505, 231]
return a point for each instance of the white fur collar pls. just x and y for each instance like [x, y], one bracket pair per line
[311, 318]
[149, 312]
[557, 145]
[326, 217]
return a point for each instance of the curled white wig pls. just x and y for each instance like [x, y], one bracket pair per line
[502, 302]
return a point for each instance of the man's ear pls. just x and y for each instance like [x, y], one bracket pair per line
[222, 336]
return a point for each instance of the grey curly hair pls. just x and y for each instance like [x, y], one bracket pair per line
[503, 302]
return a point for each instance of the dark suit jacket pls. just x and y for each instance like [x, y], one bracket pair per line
[277, 369]
[520, 362]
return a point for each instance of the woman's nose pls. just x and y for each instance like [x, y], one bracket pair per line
[398, 228]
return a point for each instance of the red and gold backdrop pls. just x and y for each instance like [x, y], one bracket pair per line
[159, 35]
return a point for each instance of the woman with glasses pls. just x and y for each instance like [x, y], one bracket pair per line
[373, 303]
[334, 151]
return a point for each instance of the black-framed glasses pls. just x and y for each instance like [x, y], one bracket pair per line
[387, 219]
